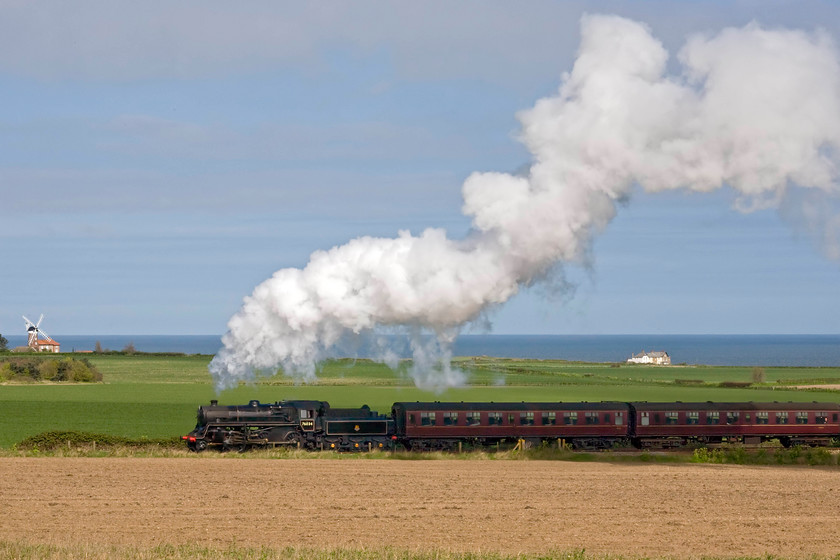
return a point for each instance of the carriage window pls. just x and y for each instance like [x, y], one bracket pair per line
[427, 418]
[781, 418]
[656, 418]
[494, 418]
[821, 417]
[411, 419]
[731, 417]
[591, 417]
[672, 417]
[834, 417]
[692, 417]
[645, 418]
[549, 418]
[619, 418]
[510, 419]
[712, 417]
[801, 417]
[526, 418]
[474, 418]
[570, 418]
[761, 418]
[607, 418]
[450, 418]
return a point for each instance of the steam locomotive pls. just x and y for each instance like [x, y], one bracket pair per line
[449, 425]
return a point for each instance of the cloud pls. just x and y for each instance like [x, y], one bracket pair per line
[128, 41]
[514, 46]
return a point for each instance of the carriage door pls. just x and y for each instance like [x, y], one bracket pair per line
[645, 418]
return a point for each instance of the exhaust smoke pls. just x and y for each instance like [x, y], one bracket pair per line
[753, 108]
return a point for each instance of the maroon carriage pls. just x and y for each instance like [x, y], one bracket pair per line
[438, 425]
[675, 424]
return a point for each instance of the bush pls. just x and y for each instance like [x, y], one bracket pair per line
[734, 384]
[819, 456]
[705, 455]
[48, 369]
[788, 456]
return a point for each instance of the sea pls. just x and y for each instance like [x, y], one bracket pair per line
[734, 350]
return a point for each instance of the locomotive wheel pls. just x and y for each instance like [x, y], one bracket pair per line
[293, 439]
[200, 445]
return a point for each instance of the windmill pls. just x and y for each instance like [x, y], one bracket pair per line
[34, 331]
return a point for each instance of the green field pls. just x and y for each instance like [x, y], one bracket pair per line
[156, 396]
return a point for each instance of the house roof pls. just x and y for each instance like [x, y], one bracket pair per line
[47, 343]
[653, 354]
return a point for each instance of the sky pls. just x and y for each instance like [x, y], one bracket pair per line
[159, 160]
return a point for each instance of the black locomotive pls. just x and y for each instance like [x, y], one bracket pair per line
[306, 424]
[446, 425]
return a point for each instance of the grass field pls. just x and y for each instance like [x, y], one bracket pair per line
[156, 396]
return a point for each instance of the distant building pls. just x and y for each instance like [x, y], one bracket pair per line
[656, 358]
[37, 340]
[46, 346]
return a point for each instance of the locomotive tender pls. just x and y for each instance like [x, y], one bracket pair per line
[449, 425]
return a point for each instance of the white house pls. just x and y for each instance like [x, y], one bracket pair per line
[47, 346]
[657, 358]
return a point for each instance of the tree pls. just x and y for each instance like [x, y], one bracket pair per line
[98, 347]
[4, 344]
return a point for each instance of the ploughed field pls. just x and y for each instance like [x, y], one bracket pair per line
[460, 505]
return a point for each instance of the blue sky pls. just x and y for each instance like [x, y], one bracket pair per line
[157, 162]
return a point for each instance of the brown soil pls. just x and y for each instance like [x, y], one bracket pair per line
[506, 506]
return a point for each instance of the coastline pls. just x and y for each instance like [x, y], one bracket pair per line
[732, 350]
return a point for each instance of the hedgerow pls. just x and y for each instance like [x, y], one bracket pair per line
[797, 455]
[50, 441]
[30, 369]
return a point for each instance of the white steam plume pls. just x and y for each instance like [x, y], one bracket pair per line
[754, 108]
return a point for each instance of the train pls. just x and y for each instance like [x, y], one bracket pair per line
[429, 426]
